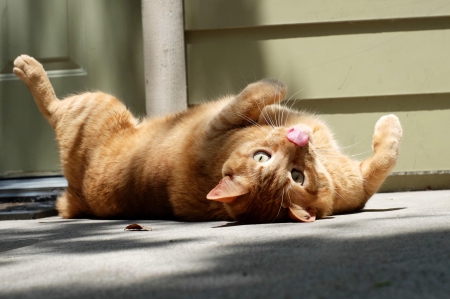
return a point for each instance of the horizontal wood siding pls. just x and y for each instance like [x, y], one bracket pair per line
[219, 14]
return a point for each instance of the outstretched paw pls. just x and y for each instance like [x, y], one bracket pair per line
[386, 143]
[28, 69]
[387, 136]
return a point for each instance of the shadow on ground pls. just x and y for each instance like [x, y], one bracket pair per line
[73, 237]
[410, 265]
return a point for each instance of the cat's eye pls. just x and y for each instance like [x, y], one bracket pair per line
[297, 176]
[261, 157]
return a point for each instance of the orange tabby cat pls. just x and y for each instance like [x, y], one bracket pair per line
[238, 158]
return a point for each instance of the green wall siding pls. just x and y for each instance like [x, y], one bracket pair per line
[216, 14]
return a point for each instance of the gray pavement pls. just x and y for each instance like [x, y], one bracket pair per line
[397, 247]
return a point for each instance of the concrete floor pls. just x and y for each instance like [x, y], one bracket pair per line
[397, 247]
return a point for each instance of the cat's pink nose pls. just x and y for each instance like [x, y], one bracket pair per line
[298, 137]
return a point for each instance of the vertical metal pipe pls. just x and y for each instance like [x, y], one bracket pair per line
[164, 56]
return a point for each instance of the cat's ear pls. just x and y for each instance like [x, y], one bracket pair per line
[227, 190]
[299, 214]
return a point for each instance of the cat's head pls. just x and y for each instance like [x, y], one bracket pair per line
[275, 177]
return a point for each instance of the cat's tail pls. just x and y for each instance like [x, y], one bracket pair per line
[33, 74]
[386, 142]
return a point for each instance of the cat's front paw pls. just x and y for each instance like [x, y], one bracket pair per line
[387, 136]
[265, 92]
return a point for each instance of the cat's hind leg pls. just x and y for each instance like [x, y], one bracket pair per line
[33, 74]
[70, 206]
[386, 142]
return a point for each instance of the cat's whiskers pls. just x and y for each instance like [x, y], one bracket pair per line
[251, 121]
[281, 204]
[325, 161]
[335, 149]
[323, 157]
[351, 145]
[294, 101]
[243, 77]
[279, 123]
[363, 153]
[286, 102]
[279, 116]
[289, 195]
[293, 190]
[322, 151]
[273, 120]
[264, 116]
[277, 120]
[275, 116]
[290, 98]
[343, 198]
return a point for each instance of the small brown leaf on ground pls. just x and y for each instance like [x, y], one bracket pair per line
[137, 227]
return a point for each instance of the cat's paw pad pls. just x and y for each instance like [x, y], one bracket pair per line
[27, 68]
[388, 133]
[389, 125]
